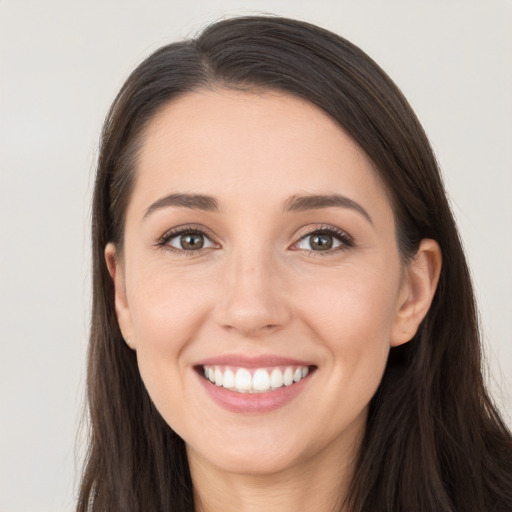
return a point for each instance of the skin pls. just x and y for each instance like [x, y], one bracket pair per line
[259, 288]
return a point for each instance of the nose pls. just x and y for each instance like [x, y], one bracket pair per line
[252, 298]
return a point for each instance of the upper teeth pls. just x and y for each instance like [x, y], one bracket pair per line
[256, 380]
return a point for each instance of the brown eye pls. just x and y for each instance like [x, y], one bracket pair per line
[190, 241]
[325, 240]
[321, 242]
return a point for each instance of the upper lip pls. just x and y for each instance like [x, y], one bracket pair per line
[244, 361]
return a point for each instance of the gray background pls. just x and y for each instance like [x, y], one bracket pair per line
[62, 62]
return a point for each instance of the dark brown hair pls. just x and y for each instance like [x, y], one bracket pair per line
[434, 441]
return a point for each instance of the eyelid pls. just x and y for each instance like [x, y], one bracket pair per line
[163, 241]
[345, 238]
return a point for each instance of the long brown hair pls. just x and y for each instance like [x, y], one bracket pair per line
[434, 441]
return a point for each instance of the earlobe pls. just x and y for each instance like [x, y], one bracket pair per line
[116, 272]
[421, 277]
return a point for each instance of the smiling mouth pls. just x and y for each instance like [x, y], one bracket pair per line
[254, 380]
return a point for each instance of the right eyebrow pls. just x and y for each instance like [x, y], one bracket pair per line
[192, 201]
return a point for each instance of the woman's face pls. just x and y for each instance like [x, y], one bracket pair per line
[259, 251]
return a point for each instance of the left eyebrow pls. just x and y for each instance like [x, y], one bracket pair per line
[300, 203]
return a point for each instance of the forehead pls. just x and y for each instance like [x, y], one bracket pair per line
[251, 146]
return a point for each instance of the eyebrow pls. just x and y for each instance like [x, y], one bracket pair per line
[296, 203]
[300, 203]
[192, 201]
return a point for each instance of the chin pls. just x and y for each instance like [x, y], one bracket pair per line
[258, 460]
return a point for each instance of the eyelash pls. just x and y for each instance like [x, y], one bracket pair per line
[163, 242]
[346, 241]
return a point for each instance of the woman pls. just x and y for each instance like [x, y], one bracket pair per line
[282, 312]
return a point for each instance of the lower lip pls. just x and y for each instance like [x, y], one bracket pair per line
[253, 403]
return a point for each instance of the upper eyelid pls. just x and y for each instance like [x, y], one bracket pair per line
[187, 228]
[332, 230]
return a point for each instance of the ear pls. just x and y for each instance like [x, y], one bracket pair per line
[418, 288]
[116, 272]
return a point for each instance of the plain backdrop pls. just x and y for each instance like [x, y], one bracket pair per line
[61, 64]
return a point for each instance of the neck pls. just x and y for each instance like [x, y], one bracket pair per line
[320, 484]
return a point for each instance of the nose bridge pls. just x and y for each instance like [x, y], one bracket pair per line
[252, 301]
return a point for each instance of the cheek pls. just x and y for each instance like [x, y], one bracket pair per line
[353, 308]
[167, 312]
[351, 316]
[167, 306]
[166, 316]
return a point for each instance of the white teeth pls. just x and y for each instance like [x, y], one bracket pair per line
[276, 378]
[218, 377]
[229, 379]
[259, 380]
[243, 380]
[287, 377]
